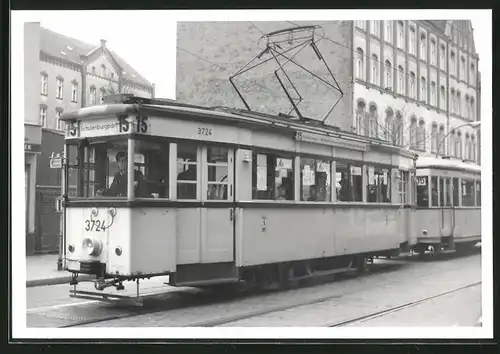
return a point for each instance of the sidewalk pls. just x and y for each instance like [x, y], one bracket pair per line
[42, 270]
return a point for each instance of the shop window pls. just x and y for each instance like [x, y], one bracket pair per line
[315, 180]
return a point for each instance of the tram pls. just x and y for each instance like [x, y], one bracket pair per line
[448, 211]
[213, 196]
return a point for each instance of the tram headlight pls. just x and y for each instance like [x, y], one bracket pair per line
[71, 248]
[93, 247]
[118, 251]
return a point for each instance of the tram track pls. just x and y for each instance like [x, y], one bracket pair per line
[178, 301]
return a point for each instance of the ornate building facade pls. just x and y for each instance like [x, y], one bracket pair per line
[416, 84]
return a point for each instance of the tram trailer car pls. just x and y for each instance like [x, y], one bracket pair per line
[448, 215]
[220, 196]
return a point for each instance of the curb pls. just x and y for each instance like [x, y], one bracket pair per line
[54, 281]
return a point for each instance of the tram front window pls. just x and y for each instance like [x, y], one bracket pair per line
[434, 191]
[423, 191]
[467, 192]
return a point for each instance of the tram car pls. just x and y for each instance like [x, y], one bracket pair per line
[448, 215]
[213, 196]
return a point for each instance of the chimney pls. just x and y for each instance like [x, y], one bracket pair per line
[103, 43]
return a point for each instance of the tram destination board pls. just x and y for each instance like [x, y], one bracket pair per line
[109, 126]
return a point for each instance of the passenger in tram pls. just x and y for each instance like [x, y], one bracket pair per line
[312, 194]
[118, 187]
[281, 192]
[344, 190]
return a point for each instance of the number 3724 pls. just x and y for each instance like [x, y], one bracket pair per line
[204, 131]
[94, 225]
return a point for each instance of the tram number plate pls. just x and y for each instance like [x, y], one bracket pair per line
[205, 131]
[94, 225]
[421, 181]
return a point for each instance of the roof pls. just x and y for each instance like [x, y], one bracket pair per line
[71, 49]
[433, 162]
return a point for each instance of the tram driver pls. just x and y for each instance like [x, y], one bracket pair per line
[118, 187]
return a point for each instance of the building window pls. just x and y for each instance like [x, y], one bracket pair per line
[360, 24]
[453, 101]
[472, 109]
[388, 75]
[401, 34]
[454, 142]
[453, 64]
[468, 147]
[374, 27]
[74, 92]
[103, 70]
[399, 129]
[443, 97]
[389, 126]
[423, 89]
[359, 64]
[43, 116]
[442, 56]
[401, 73]
[59, 123]
[434, 137]
[44, 89]
[467, 107]
[462, 68]
[433, 51]
[361, 126]
[433, 93]
[375, 66]
[473, 74]
[93, 70]
[101, 96]
[423, 46]
[388, 31]
[413, 42]
[421, 135]
[373, 120]
[460, 148]
[459, 103]
[92, 95]
[413, 132]
[473, 148]
[413, 92]
[112, 75]
[59, 88]
[440, 141]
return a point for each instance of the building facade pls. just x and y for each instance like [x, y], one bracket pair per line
[62, 74]
[416, 84]
[407, 82]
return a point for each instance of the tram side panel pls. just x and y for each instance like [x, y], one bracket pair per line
[153, 245]
[270, 235]
[467, 224]
[429, 225]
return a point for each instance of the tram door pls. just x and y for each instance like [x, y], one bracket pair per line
[447, 210]
[217, 219]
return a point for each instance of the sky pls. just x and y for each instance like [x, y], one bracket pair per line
[147, 39]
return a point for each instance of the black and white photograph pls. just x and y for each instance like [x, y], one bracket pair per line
[252, 174]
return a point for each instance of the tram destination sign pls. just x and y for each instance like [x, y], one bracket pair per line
[329, 140]
[108, 126]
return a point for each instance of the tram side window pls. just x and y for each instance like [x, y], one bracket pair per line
[478, 193]
[423, 191]
[152, 160]
[218, 169]
[272, 177]
[456, 191]
[442, 192]
[187, 163]
[73, 169]
[434, 191]
[379, 185]
[349, 182]
[403, 187]
[315, 180]
[448, 185]
[467, 192]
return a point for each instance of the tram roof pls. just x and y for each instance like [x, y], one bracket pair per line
[164, 107]
[446, 164]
